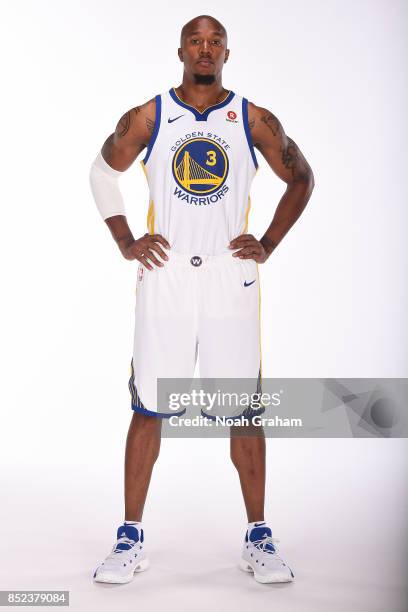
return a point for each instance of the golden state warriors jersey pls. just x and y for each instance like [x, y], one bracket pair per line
[199, 167]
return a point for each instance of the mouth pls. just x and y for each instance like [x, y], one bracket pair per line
[205, 62]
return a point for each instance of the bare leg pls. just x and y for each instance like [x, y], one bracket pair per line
[248, 456]
[142, 450]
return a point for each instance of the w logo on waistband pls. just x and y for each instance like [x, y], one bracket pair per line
[196, 261]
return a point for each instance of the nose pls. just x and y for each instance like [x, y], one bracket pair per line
[205, 47]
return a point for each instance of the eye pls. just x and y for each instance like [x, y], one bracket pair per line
[217, 42]
[195, 41]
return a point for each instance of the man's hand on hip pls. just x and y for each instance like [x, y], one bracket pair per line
[249, 248]
[143, 249]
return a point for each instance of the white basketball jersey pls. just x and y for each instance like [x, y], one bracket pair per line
[199, 167]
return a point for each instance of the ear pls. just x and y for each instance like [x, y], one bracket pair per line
[227, 52]
[180, 54]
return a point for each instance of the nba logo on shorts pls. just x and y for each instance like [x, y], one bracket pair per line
[140, 273]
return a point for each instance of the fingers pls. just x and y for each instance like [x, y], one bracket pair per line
[155, 247]
[146, 247]
[143, 260]
[159, 238]
[242, 240]
[248, 252]
[249, 247]
[149, 253]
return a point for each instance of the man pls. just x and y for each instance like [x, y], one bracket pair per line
[198, 283]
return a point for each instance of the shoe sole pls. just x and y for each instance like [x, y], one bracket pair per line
[276, 577]
[114, 579]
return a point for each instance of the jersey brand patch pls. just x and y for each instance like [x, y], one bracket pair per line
[174, 119]
[232, 116]
[247, 284]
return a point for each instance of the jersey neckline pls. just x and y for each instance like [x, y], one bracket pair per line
[201, 116]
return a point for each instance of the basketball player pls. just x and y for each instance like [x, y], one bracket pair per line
[197, 285]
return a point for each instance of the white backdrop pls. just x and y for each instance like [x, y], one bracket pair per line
[334, 297]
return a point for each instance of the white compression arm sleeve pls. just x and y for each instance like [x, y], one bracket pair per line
[105, 188]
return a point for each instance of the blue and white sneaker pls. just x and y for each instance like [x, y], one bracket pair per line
[126, 558]
[260, 556]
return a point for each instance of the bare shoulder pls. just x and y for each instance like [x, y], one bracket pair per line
[263, 123]
[132, 134]
[138, 122]
[280, 150]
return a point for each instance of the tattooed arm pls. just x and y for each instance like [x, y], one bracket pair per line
[131, 136]
[119, 151]
[287, 161]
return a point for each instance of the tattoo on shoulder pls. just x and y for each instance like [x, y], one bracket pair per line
[123, 125]
[272, 123]
[251, 124]
[124, 122]
[149, 124]
[291, 155]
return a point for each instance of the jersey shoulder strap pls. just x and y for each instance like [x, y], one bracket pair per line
[156, 127]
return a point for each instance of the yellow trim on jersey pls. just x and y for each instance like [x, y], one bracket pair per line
[246, 215]
[150, 217]
[150, 212]
[259, 319]
[144, 169]
[195, 108]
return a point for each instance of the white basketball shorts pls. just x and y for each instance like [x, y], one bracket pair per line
[195, 305]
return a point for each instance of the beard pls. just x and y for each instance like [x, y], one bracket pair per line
[204, 79]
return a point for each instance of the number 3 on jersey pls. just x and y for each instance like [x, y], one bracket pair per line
[212, 158]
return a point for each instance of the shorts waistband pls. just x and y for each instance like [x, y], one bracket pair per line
[197, 260]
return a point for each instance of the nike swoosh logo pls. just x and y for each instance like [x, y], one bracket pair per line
[175, 119]
[259, 524]
[247, 284]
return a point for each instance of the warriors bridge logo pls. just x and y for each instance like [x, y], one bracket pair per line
[200, 168]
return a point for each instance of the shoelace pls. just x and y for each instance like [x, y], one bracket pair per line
[261, 544]
[115, 551]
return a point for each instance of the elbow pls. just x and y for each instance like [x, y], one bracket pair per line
[305, 181]
[311, 182]
[308, 181]
[312, 179]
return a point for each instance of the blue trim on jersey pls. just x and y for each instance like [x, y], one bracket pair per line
[163, 415]
[204, 115]
[247, 130]
[155, 129]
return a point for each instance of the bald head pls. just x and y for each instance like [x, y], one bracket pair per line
[203, 49]
[193, 26]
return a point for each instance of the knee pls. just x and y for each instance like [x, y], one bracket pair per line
[150, 424]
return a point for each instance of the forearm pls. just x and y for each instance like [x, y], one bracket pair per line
[108, 198]
[104, 181]
[289, 209]
[120, 231]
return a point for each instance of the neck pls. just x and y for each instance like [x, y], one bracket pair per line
[201, 95]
